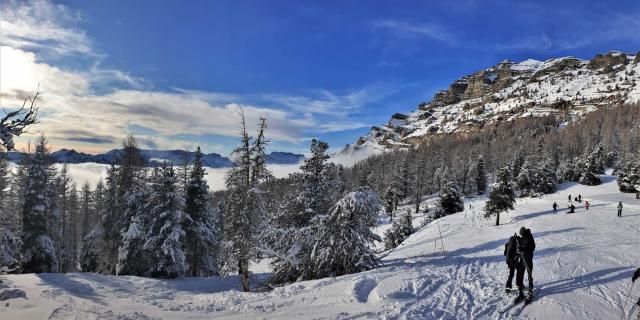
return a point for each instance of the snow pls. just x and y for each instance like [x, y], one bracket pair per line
[582, 268]
[529, 64]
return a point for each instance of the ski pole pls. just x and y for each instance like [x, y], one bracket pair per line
[624, 306]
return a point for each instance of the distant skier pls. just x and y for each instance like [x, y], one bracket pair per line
[555, 207]
[586, 204]
[572, 208]
[620, 209]
[579, 198]
[569, 197]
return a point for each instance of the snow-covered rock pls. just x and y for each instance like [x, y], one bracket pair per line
[566, 87]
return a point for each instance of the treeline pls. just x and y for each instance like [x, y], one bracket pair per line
[164, 222]
[540, 152]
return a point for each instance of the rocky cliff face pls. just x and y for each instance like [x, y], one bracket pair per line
[567, 87]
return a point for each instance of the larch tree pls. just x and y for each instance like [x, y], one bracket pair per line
[244, 212]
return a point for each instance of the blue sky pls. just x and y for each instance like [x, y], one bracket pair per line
[325, 69]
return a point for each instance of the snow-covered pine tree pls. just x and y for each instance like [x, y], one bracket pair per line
[592, 167]
[17, 193]
[40, 215]
[5, 179]
[164, 233]
[517, 162]
[346, 241]
[93, 244]
[629, 175]
[72, 230]
[481, 179]
[244, 214]
[126, 177]
[544, 179]
[525, 180]
[502, 196]
[10, 251]
[136, 204]
[400, 230]
[200, 224]
[450, 199]
[62, 186]
[295, 232]
[85, 211]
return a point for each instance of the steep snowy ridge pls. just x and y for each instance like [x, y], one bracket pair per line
[582, 269]
[567, 87]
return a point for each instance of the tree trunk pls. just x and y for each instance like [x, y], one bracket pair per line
[497, 219]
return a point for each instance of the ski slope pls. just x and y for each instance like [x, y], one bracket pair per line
[582, 268]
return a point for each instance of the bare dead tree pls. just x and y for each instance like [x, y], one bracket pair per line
[14, 123]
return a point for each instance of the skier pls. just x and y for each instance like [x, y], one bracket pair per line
[586, 204]
[569, 197]
[620, 209]
[527, 246]
[512, 259]
[572, 208]
[555, 207]
[579, 198]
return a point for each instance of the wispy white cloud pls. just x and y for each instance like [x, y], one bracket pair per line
[94, 107]
[413, 30]
[42, 25]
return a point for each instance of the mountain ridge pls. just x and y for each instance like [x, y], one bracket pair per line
[154, 157]
[567, 87]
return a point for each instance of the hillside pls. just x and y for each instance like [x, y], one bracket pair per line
[567, 87]
[582, 268]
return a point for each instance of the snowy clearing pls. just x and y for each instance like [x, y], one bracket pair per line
[582, 268]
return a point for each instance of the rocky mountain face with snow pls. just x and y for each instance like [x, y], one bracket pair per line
[567, 87]
[154, 157]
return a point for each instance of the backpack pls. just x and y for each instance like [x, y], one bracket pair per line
[511, 251]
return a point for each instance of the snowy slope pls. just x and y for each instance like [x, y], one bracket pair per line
[582, 266]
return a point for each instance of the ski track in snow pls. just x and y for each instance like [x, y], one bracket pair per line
[582, 267]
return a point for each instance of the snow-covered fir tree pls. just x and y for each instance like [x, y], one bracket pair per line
[502, 196]
[200, 224]
[296, 221]
[132, 258]
[346, 241]
[629, 175]
[481, 178]
[164, 233]
[5, 179]
[40, 216]
[244, 212]
[400, 230]
[525, 180]
[450, 199]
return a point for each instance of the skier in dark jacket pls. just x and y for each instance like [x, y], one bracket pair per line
[513, 260]
[620, 209]
[527, 245]
[555, 207]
